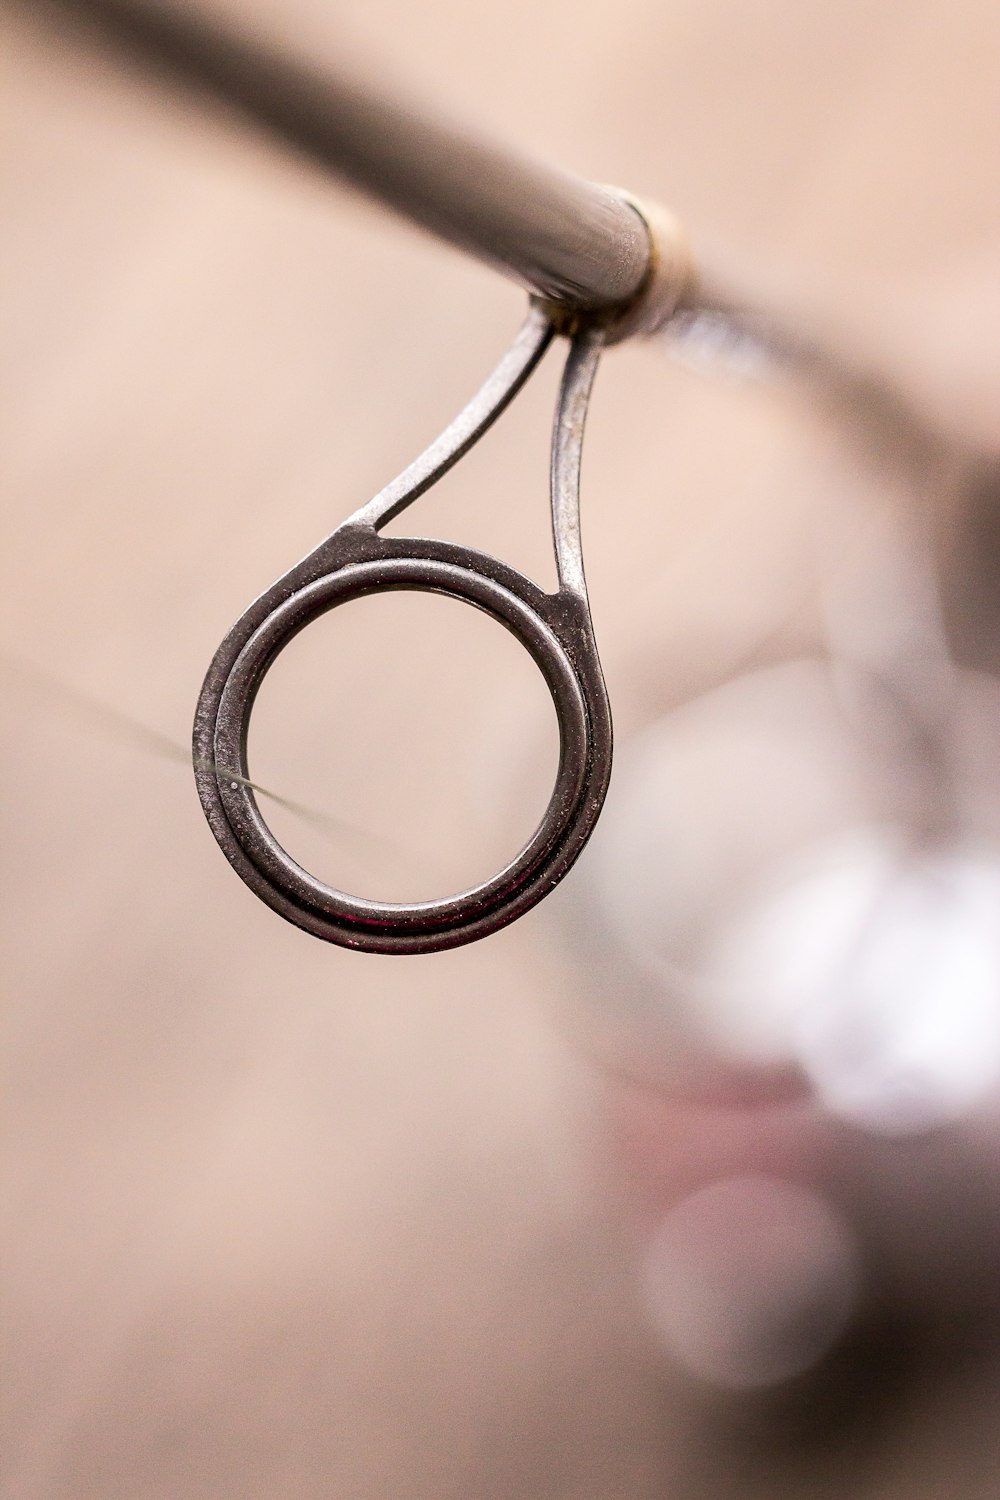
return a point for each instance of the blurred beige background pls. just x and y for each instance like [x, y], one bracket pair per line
[283, 1220]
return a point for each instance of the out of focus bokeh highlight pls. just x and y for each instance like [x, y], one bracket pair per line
[688, 1184]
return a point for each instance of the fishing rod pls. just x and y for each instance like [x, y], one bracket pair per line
[581, 248]
[600, 265]
[577, 246]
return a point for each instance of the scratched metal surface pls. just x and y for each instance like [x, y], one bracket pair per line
[282, 1220]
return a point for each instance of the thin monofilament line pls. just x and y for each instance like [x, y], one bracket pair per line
[116, 722]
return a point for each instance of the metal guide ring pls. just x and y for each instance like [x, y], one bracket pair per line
[355, 561]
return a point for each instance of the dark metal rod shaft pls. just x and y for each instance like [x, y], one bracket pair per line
[569, 241]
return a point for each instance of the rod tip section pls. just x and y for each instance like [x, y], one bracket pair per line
[671, 280]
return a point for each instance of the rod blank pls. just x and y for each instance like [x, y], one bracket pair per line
[569, 241]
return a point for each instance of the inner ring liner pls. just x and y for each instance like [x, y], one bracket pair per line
[326, 593]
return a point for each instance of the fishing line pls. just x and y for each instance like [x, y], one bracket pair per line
[117, 724]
